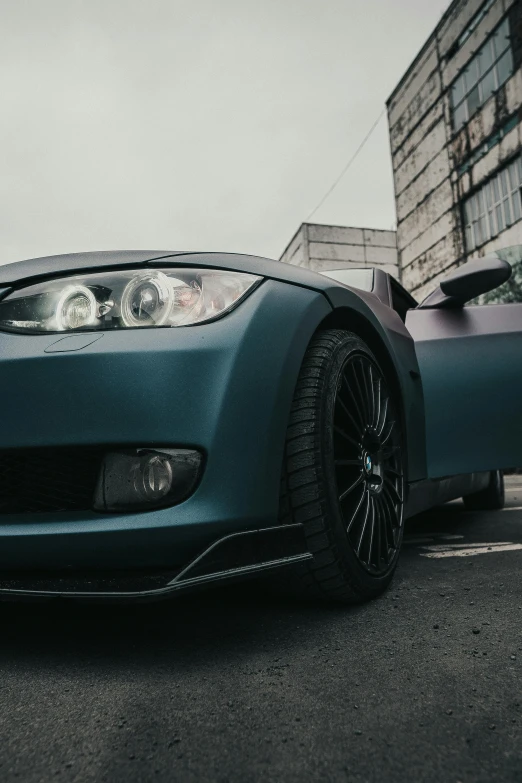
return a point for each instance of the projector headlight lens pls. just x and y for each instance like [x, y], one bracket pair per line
[76, 308]
[125, 299]
[147, 300]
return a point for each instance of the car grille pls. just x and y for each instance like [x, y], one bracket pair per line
[39, 480]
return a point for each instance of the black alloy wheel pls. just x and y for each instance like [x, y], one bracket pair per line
[368, 467]
[343, 476]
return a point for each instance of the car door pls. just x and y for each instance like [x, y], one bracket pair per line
[470, 359]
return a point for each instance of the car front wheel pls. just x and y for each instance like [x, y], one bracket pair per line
[343, 475]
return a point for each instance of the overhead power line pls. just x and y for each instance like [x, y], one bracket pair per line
[347, 165]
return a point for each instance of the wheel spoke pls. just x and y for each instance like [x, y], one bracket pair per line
[347, 412]
[357, 409]
[351, 488]
[366, 517]
[352, 519]
[376, 396]
[372, 532]
[346, 462]
[391, 519]
[394, 471]
[390, 453]
[386, 528]
[366, 392]
[389, 430]
[372, 396]
[346, 436]
[392, 491]
[361, 394]
[378, 417]
[377, 533]
[383, 538]
[380, 424]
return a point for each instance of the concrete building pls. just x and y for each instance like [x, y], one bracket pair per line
[456, 142]
[320, 247]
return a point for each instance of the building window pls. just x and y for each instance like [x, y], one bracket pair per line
[491, 141]
[483, 75]
[472, 26]
[510, 291]
[495, 207]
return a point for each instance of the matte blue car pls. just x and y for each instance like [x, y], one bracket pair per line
[175, 419]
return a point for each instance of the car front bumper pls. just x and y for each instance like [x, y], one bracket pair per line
[224, 388]
[236, 556]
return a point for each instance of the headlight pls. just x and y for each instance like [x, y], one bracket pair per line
[127, 299]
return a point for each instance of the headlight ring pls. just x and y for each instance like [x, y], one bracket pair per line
[76, 308]
[147, 300]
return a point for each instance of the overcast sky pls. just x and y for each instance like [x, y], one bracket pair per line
[195, 124]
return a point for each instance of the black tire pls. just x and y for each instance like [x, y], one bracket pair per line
[492, 498]
[343, 417]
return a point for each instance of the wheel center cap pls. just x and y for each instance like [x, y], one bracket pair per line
[368, 464]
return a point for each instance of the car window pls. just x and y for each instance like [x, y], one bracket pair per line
[356, 278]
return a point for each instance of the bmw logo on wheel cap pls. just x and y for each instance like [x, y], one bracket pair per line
[368, 464]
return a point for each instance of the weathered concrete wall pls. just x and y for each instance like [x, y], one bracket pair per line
[296, 251]
[429, 158]
[319, 247]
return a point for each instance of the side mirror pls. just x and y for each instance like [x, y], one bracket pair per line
[468, 281]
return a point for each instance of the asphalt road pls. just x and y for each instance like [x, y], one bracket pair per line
[231, 686]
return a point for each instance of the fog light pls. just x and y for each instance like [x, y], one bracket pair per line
[134, 479]
[152, 478]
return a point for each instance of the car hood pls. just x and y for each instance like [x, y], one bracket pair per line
[27, 272]
[19, 271]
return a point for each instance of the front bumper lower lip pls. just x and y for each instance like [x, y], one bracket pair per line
[233, 557]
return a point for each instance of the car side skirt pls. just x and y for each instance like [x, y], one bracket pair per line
[430, 493]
